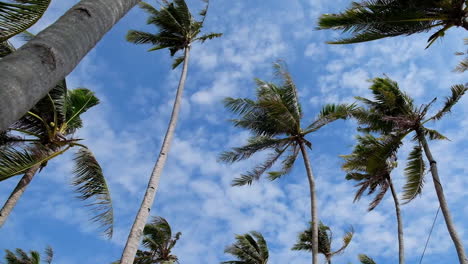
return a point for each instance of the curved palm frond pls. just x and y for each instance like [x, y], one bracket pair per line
[254, 145]
[366, 260]
[21, 257]
[49, 252]
[91, 185]
[17, 161]
[457, 92]
[330, 113]
[414, 172]
[18, 15]
[375, 19]
[250, 248]
[78, 101]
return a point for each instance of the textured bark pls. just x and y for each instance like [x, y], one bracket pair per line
[313, 204]
[133, 240]
[442, 202]
[33, 70]
[17, 193]
[401, 245]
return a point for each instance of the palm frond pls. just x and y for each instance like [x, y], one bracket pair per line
[287, 164]
[254, 145]
[433, 134]
[141, 37]
[178, 61]
[49, 252]
[14, 161]
[78, 101]
[248, 250]
[17, 17]
[457, 92]
[90, 184]
[366, 260]
[463, 65]
[209, 37]
[414, 172]
[330, 113]
[348, 236]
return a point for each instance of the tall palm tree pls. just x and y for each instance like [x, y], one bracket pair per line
[325, 239]
[274, 120]
[46, 132]
[158, 240]
[18, 15]
[177, 31]
[375, 19]
[366, 260]
[392, 112]
[21, 257]
[370, 164]
[250, 248]
[31, 72]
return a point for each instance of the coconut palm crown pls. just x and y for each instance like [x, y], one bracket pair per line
[21, 257]
[394, 114]
[158, 240]
[46, 132]
[177, 28]
[375, 19]
[250, 248]
[325, 240]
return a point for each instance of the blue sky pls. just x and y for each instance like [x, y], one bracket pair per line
[136, 89]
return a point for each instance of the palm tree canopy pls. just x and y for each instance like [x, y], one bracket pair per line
[19, 256]
[325, 239]
[274, 120]
[370, 164]
[158, 241]
[250, 248]
[394, 114]
[375, 19]
[46, 132]
[177, 28]
[18, 15]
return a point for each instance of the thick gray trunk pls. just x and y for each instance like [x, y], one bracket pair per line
[313, 204]
[133, 240]
[442, 202]
[401, 245]
[29, 73]
[17, 193]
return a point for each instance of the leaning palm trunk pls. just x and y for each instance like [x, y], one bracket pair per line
[133, 241]
[29, 73]
[17, 193]
[401, 245]
[442, 202]
[313, 204]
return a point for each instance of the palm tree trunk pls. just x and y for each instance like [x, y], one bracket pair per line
[442, 202]
[17, 193]
[133, 240]
[313, 203]
[29, 73]
[401, 245]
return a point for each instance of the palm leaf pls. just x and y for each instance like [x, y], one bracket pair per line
[178, 61]
[330, 113]
[141, 37]
[78, 101]
[209, 37]
[17, 16]
[254, 145]
[91, 185]
[49, 252]
[348, 236]
[287, 164]
[414, 172]
[14, 162]
[433, 134]
[366, 260]
[457, 92]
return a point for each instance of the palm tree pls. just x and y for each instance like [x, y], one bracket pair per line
[158, 240]
[177, 31]
[21, 257]
[325, 239]
[46, 132]
[18, 15]
[375, 19]
[393, 112]
[274, 120]
[370, 164]
[31, 72]
[366, 260]
[250, 248]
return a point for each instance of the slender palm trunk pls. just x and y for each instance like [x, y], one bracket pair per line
[29, 73]
[133, 240]
[313, 203]
[401, 245]
[17, 193]
[442, 202]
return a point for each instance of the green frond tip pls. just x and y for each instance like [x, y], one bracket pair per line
[248, 248]
[90, 184]
[330, 113]
[177, 62]
[414, 172]
[366, 260]
[209, 36]
[457, 92]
